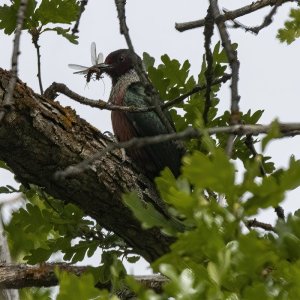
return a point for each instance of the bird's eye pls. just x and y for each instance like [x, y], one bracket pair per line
[122, 58]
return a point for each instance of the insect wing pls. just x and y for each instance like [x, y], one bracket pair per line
[81, 69]
[100, 58]
[93, 54]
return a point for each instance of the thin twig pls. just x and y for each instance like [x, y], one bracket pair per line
[82, 9]
[287, 129]
[234, 65]
[54, 88]
[195, 90]
[138, 66]
[266, 22]
[257, 224]
[280, 212]
[208, 33]
[8, 101]
[231, 15]
[35, 34]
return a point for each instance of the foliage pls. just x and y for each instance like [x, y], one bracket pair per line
[35, 294]
[217, 255]
[291, 30]
[38, 17]
[83, 287]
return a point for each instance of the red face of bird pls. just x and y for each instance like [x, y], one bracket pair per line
[117, 63]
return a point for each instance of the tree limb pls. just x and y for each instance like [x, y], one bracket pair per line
[17, 276]
[234, 63]
[40, 137]
[54, 88]
[231, 15]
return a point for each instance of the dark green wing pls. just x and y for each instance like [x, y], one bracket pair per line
[162, 155]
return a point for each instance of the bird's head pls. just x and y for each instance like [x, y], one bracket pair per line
[118, 63]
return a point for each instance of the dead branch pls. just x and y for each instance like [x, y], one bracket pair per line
[82, 9]
[234, 65]
[231, 15]
[54, 88]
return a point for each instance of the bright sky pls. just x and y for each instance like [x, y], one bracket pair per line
[269, 77]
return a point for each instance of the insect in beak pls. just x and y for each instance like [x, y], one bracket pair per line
[97, 62]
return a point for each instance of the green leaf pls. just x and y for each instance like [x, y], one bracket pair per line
[291, 30]
[57, 11]
[273, 133]
[8, 18]
[72, 287]
[147, 214]
[290, 179]
[249, 118]
[176, 193]
[214, 172]
[173, 71]
[267, 194]
[35, 294]
[181, 285]
[66, 33]
[38, 255]
[148, 60]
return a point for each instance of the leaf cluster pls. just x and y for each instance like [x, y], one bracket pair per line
[38, 17]
[291, 30]
[218, 256]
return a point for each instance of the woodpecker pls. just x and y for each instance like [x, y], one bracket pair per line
[127, 90]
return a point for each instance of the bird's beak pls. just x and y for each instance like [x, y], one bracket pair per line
[103, 67]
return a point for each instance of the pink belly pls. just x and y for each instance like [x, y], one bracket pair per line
[124, 131]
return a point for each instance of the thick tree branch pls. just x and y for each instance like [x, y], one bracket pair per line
[16, 276]
[231, 15]
[40, 137]
[291, 129]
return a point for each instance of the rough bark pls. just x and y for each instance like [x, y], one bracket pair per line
[16, 276]
[39, 137]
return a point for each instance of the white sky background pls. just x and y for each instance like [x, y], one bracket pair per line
[269, 71]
